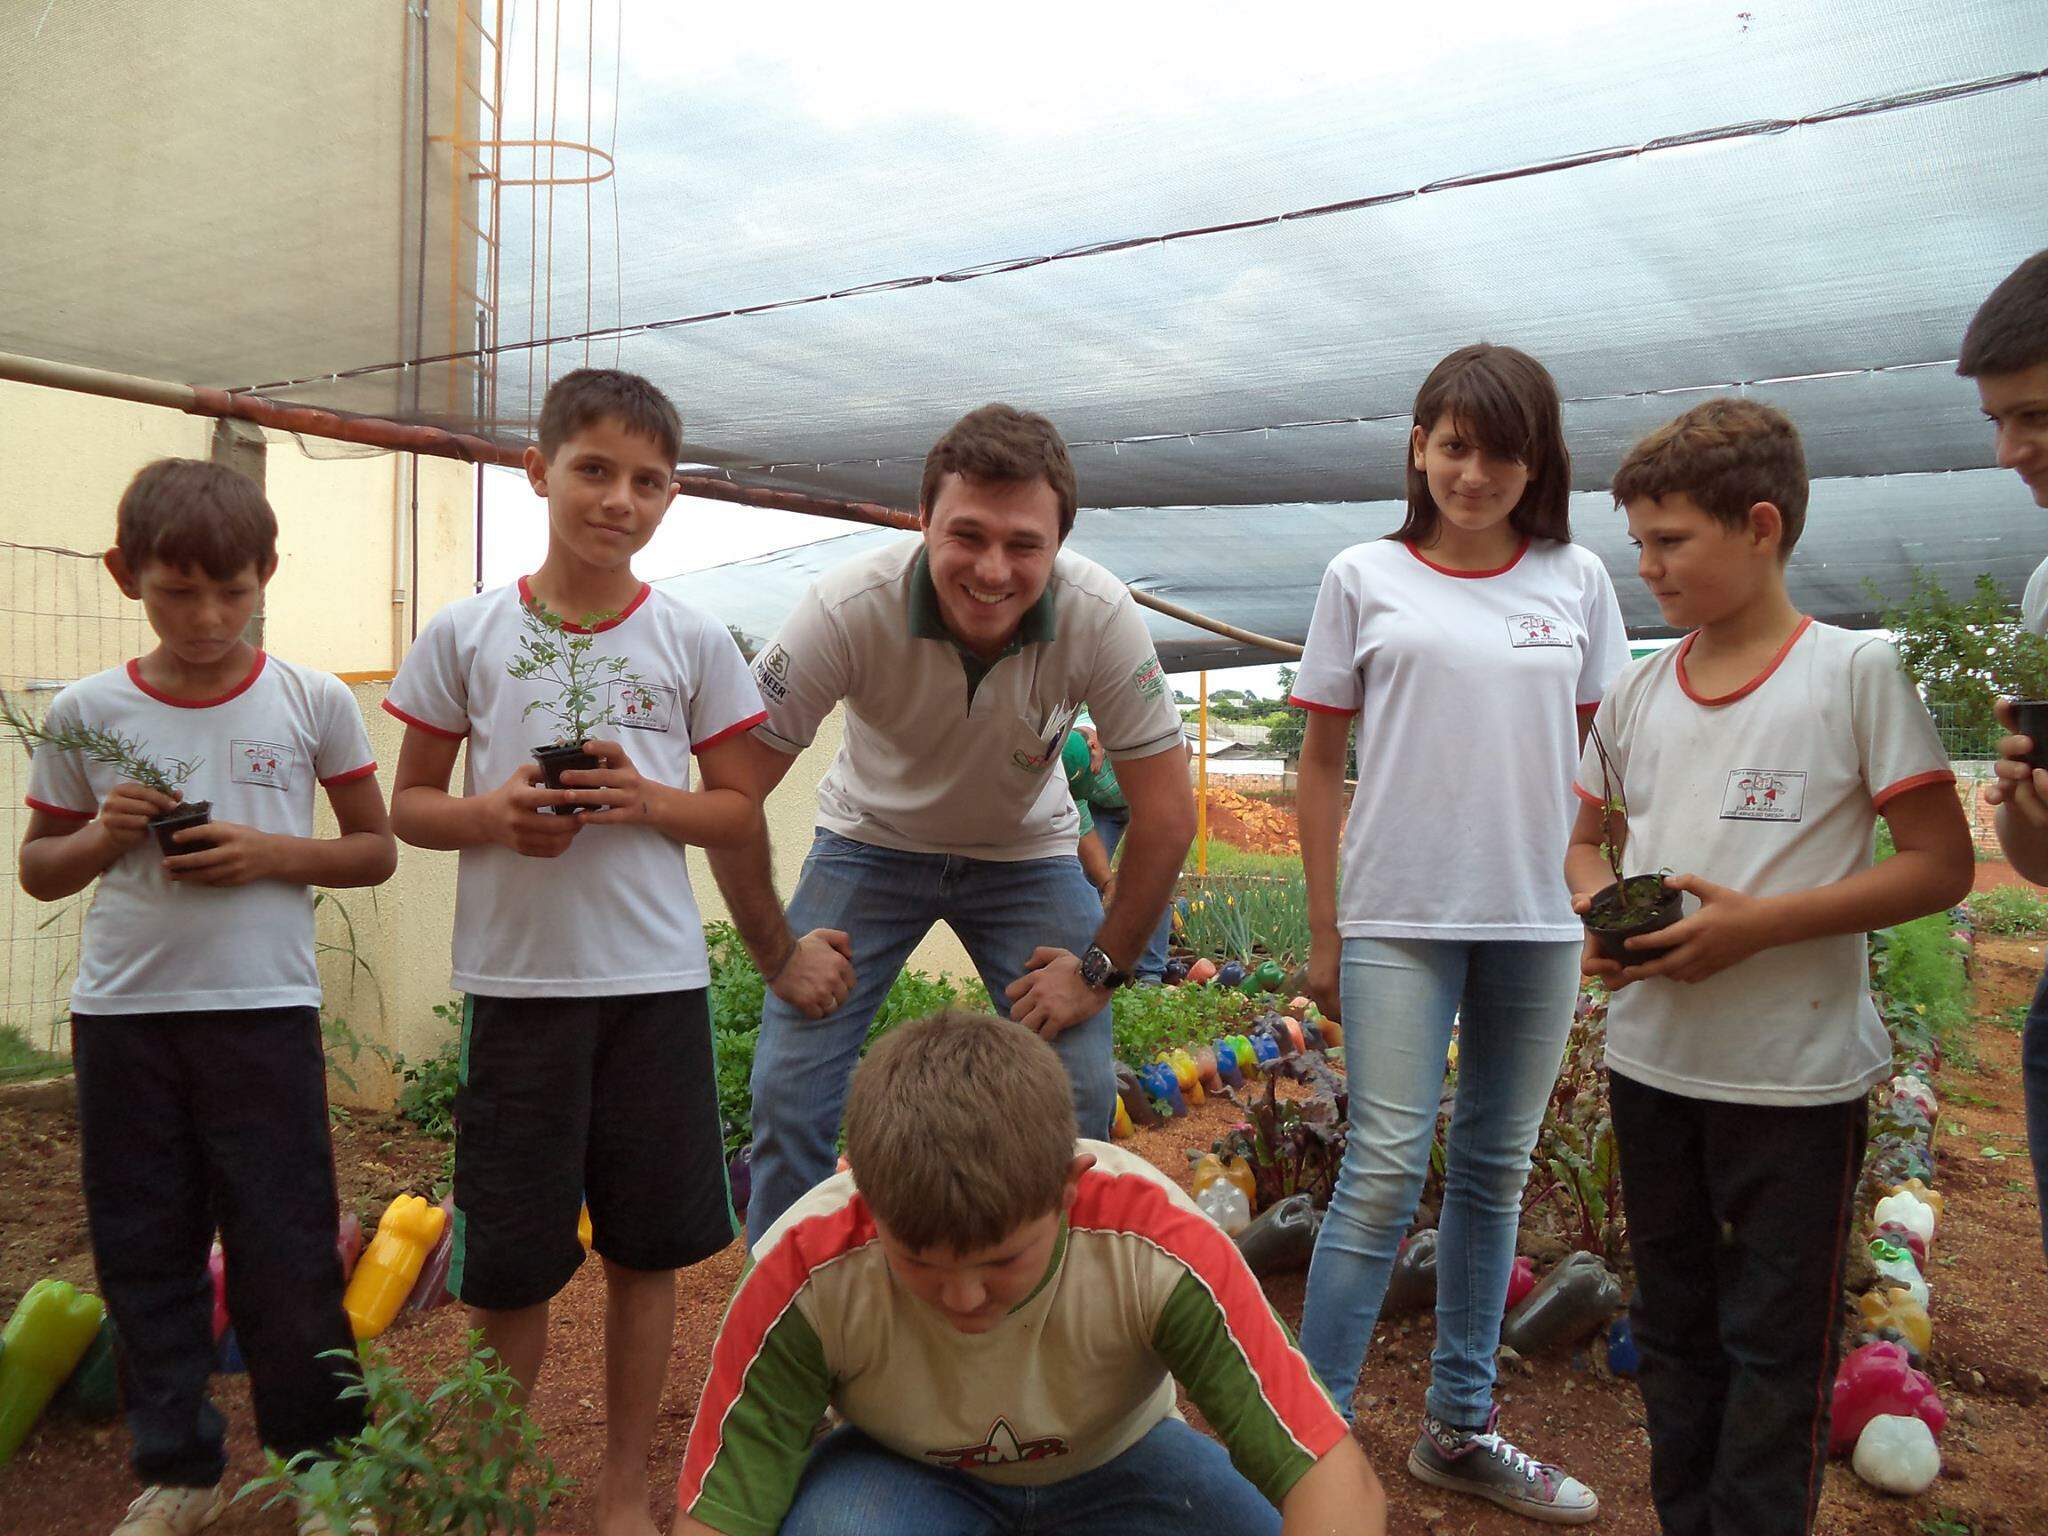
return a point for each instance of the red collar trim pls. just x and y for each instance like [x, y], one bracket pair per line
[135, 677]
[1685, 683]
[1445, 570]
[526, 597]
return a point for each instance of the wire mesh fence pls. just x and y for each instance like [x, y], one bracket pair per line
[64, 619]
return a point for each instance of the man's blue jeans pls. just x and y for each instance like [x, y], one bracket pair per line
[1513, 1003]
[1151, 965]
[2034, 1077]
[1174, 1482]
[886, 901]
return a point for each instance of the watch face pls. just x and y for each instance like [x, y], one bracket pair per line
[1095, 967]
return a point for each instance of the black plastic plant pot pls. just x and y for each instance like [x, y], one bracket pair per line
[556, 761]
[1655, 905]
[167, 826]
[2030, 718]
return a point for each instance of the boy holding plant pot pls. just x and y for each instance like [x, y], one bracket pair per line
[202, 1082]
[1742, 1039]
[586, 1040]
[998, 1312]
[2006, 351]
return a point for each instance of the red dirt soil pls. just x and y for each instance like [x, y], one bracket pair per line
[1990, 1312]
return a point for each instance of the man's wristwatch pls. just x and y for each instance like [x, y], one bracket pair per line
[1100, 972]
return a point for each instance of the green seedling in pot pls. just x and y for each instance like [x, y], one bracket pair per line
[585, 690]
[131, 758]
[1634, 904]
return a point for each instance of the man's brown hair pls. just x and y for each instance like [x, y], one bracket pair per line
[2009, 332]
[1000, 442]
[959, 1129]
[1727, 455]
[587, 395]
[188, 512]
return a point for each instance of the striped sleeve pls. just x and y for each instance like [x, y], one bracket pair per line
[741, 1470]
[1220, 1337]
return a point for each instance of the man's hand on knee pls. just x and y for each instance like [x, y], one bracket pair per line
[818, 975]
[1050, 997]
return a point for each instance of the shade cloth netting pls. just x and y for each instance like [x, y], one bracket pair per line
[1802, 200]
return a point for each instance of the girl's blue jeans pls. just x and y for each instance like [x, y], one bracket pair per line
[1512, 1002]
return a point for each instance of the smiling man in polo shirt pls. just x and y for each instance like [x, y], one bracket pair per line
[962, 658]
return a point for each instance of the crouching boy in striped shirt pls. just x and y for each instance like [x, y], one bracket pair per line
[998, 1312]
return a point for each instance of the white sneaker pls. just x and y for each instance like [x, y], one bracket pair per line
[162, 1511]
[313, 1523]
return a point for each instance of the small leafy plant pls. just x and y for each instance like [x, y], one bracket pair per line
[1637, 898]
[463, 1460]
[1294, 1146]
[581, 701]
[99, 744]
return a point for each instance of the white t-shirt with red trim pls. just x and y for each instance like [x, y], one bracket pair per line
[1771, 789]
[1467, 687]
[615, 913]
[1142, 1289]
[154, 945]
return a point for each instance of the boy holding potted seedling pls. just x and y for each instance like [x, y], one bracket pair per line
[1742, 1039]
[2006, 351]
[998, 1312]
[586, 1048]
[202, 1083]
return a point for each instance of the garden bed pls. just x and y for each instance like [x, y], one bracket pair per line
[1990, 1312]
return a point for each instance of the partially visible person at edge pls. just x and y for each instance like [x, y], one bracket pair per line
[1753, 758]
[1105, 815]
[1472, 646]
[2006, 351]
[195, 1013]
[587, 1066]
[998, 1312]
[963, 657]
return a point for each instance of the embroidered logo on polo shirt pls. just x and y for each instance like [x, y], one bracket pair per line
[262, 762]
[771, 673]
[1149, 680]
[1764, 794]
[640, 706]
[1002, 1448]
[1526, 629]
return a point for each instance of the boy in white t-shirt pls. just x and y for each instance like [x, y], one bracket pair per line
[586, 1047]
[1754, 758]
[202, 1083]
[2006, 351]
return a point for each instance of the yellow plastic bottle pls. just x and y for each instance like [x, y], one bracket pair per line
[1120, 1128]
[583, 1232]
[385, 1274]
[1187, 1073]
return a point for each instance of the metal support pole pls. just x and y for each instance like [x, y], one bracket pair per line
[239, 446]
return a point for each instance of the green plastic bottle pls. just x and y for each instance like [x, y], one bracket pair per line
[93, 1393]
[41, 1346]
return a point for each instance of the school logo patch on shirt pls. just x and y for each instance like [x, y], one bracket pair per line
[1527, 629]
[1149, 679]
[1764, 794]
[1002, 1448]
[262, 762]
[771, 673]
[641, 706]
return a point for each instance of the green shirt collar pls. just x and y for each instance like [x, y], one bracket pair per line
[927, 624]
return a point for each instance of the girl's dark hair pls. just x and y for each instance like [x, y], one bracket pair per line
[1507, 402]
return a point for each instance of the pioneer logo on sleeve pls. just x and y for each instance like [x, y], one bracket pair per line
[1764, 794]
[771, 673]
[263, 762]
[1526, 629]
